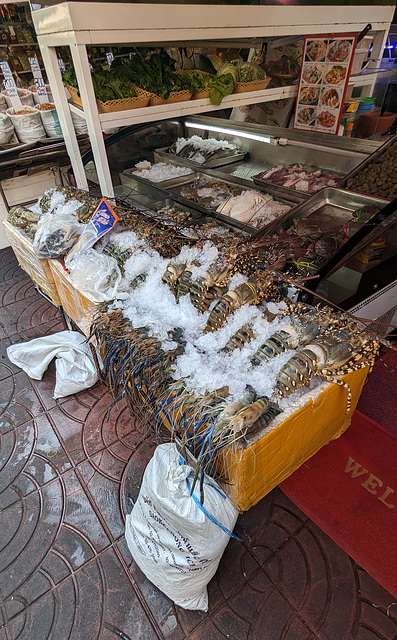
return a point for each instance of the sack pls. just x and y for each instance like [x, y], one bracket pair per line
[6, 129]
[28, 125]
[96, 274]
[79, 123]
[56, 234]
[75, 367]
[50, 121]
[3, 103]
[25, 96]
[36, 100]
[174, 542]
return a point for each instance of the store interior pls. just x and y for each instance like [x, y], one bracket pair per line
[198, 314]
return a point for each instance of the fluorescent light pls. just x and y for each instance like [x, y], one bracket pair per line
[233, 132]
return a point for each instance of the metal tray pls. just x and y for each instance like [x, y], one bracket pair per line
[332, 202]
[164, 184]
[286, 191]
[134, 193]
[366, 162]
[244, 232]
[228, 158]
[167, 202]
[216, 176]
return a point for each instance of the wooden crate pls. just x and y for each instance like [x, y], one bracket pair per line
[292, 438]
[79, 306]
[37, 268]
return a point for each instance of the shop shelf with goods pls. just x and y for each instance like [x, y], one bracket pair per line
[78, 25]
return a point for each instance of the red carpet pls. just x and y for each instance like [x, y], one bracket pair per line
[349, 489]
[379, 395]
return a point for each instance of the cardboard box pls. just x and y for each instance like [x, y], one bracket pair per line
[289, 440]
[37, 268]
[80, 307]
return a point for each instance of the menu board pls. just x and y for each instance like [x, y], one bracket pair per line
[326, 64]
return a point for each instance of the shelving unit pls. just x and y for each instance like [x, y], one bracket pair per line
[80, 24]
[18, 46]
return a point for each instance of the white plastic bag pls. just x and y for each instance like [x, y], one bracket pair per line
[75, 366]
[96, 274]
[176, 545]
[56, 234]
[50, 121]
[6, 129]
[79, 123]
[28, 126]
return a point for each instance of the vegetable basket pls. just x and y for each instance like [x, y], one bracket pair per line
[141, 100]
[202, 94]
[175, 96]
[254, 85]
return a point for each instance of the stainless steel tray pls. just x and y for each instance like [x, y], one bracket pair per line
[332, 202]
[167, 202]
[367, 161]
[286, 191]
[216, 176]
[137, 194]
[164, 184]
[244, 232]
[229, 157]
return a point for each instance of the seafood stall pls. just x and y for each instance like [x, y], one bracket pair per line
[192, 322]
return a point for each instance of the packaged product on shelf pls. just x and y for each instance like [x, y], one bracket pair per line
[102, 221]
[27, 124]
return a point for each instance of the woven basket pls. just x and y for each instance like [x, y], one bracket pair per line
[255, 85]
[175, 96]
[201, 94]
[141, 100]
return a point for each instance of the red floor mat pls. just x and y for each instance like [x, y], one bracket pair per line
[349, 489]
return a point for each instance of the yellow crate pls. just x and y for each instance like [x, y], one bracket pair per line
[80, 307]
[37, 268]
[253, 472]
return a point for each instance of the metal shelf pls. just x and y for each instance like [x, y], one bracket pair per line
[79, 24]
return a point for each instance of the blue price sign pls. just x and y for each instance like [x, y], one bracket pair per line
[110, 58]
[61, 64]
[10, 86]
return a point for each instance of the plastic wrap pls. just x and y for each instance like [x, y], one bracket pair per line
[96, 274]
[56, 235]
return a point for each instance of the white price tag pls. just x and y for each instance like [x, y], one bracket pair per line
[61, 64]
[10, 86]
[38, 79]
[110, 58]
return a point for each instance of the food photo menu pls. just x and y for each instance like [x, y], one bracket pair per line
[326, 64]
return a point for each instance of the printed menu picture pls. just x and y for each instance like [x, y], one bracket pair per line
[323, 81]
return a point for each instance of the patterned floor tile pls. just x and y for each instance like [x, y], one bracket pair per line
[30, 457]
[9, 267]
[96, 601]
[30, 314]
[20, 288]
[18, 401]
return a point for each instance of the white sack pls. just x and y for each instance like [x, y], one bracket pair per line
[25, 96]
[173, 542]
[79, 123]
[3, 103]
[28, 127]
[6, 129]
[50, 121]
[75, 367]
[96, 274]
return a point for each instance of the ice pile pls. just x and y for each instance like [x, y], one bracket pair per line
[199, 150]
[160, 172]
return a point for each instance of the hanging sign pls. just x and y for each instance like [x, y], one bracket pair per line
[326, 64]
[110, 58]
[38, 80]
[10, 86]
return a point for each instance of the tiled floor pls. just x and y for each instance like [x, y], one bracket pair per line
[67, 478]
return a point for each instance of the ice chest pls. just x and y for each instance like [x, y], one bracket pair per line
[79, 306]
[289, 440]
[37, 268]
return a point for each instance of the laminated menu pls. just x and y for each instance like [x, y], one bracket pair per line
[326, 64]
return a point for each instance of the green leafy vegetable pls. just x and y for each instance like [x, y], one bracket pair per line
[220, 87]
